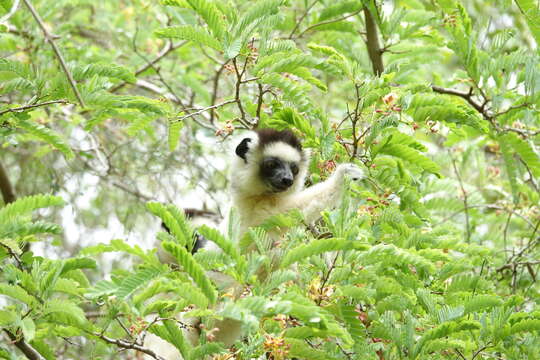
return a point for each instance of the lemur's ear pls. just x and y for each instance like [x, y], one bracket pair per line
[243, 148]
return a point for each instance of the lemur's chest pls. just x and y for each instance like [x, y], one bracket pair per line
[255, 210]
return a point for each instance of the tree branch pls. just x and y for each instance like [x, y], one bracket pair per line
[25, 348]
[373, 47]
[301, 19]
[215, 85]
[167, 49]
[128, 345]
[49, 38]
[5, 186]
[328, 22]
[237, 90]
[205, 109]
[26, 107]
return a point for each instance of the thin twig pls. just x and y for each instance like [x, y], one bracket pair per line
[521, 263]
[259, 104]
[237, 89]
[465, 201]
[167, 49]
[204, 110]
[512, 108]
[49, 38]
[215, 85]
[480, 350]
[505, 233]
[26, 107]
[157, 70]
[302, 18]
[328, 22]
[468, 96]
[327, 276]
[460, 354]
[531, 176]
[128, 345]
[491, 207]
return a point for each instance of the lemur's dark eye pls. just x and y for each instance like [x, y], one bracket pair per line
[271, 163]
[294, 168]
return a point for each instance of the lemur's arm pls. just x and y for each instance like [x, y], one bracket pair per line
[324, 195]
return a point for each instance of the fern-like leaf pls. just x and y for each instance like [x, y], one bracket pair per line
[83, 72]
[411, 155]
[47, 135]
[133, 282]
[25, 205]
[174, 133]
[211, 15]
[176, 225]
[194, 270]
[65, 312]
[191, 33]
[292, 90]
[225, 245]
[318, 247]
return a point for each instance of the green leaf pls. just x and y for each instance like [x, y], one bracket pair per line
[194, 270]
[191, 33]
[292, 90]
[211, 15]
[47, 135]
[174, 133]
[301, 350]
[510, 165]
[482, 302]
[528, 325]
[530, 10]
[133, 282]
[411, 155]
[7, 318]
[317, 247]
[340, 8]
[170, 333]
[257, 11]
[224, 244]
[120, 245]
[28, 328]
[175, 221]
[27, 204]
[78, 263]
[64, 311]
[82, 72]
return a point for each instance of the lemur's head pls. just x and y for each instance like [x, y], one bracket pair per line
[269, 162]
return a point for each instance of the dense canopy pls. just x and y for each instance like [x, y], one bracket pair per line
[118, 116]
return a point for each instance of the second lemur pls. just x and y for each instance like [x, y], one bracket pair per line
[268, 175]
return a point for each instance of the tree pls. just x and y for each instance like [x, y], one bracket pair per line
[434, 257]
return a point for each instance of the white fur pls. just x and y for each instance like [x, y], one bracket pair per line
[283, 151]
[255, 202]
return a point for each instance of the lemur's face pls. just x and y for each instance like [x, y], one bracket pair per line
[272, 162]
[278, 174]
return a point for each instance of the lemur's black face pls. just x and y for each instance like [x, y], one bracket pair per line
[277, 173]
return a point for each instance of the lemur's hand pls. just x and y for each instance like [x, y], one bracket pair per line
[351, 170]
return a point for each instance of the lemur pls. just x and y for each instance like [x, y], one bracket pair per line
[268, 172]
[268, 175]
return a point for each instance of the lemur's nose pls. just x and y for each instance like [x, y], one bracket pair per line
[287, 181]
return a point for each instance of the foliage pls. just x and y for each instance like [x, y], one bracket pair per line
[435, 256]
